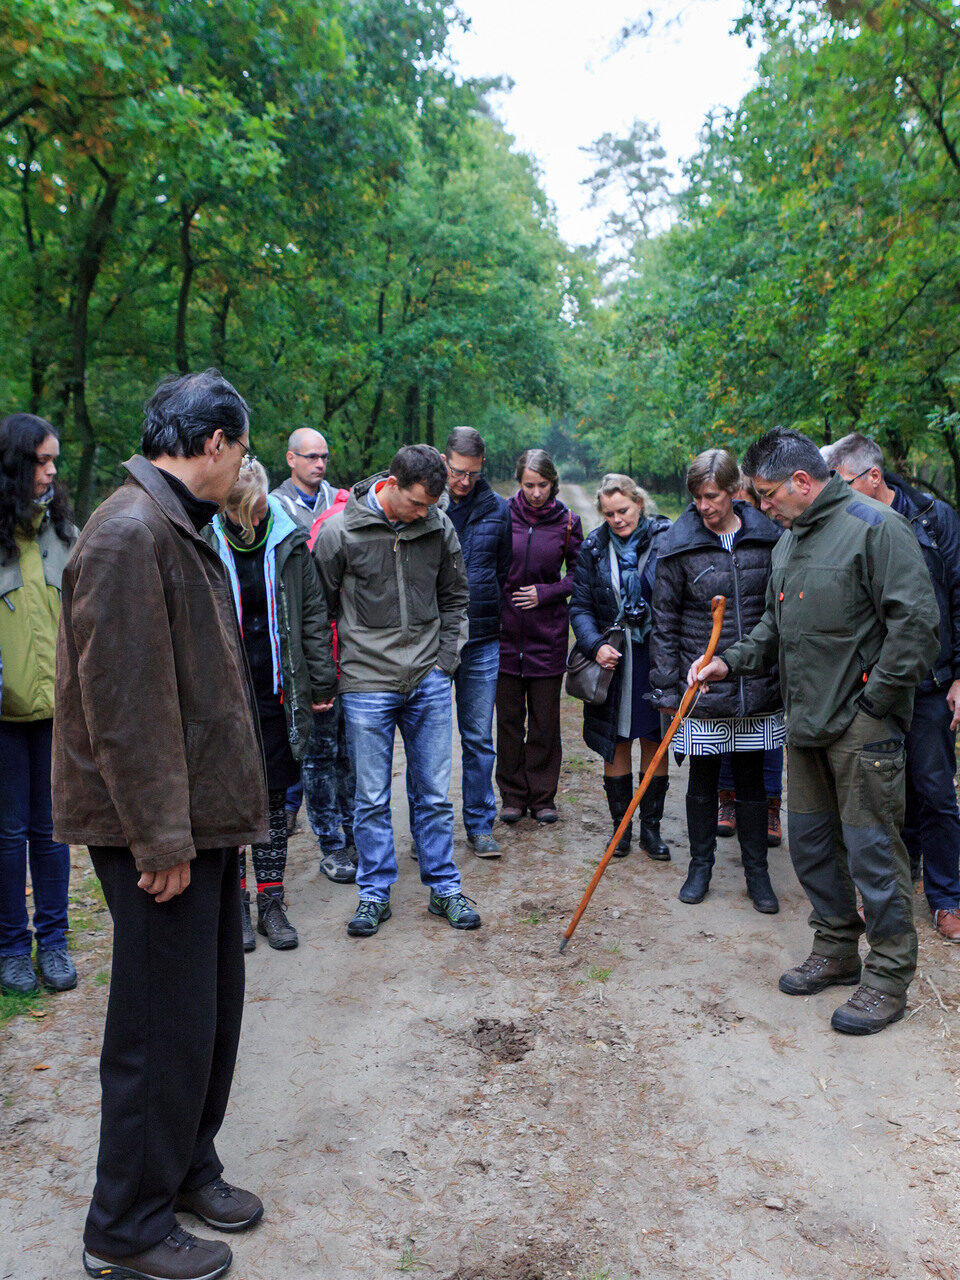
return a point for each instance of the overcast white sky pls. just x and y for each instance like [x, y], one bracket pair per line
[570, 86]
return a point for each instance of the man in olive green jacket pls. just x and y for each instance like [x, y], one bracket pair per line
[852, 620]
[392, 570]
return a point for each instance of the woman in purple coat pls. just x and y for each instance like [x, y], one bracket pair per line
[534, 628]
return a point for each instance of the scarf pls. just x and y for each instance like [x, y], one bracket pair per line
[635, 610]
[533, 515]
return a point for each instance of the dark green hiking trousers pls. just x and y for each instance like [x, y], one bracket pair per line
[845, 806]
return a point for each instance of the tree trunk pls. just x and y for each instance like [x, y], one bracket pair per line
[431, 415]
[370, 435]
[89, 261]
[411, 414]
[188, 266]
[218, 329]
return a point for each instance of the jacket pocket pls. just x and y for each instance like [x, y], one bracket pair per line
[880, 769]
[376, 594]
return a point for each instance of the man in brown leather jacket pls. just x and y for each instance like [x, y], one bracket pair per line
[158, 768]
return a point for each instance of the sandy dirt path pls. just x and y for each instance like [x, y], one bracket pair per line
[478, 1107]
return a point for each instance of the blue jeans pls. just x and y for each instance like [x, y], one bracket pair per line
[425, 720]
[26, 819]
[328, 780]
[475, 686]
[931, 829]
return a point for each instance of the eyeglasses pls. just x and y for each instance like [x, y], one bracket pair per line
[857, 476]
[312, 457]
[244, 447]
[766, 495]
[459, 473]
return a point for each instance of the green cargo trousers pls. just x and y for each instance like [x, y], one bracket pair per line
[845, 811]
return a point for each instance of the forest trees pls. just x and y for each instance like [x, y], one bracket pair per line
[811, 276]
[302, 195]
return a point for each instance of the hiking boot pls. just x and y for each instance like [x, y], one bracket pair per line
[272, 920]
[293, 825]
[726, 815]
[511, 813]
[456, 909]
[545, 816]
[368, 918]
[619, 791]
[178, 1256]
[751, 819]
[57, 971]
[484, 845]
[819, 972]
[868, 1011]
[947, 923]
[17, 977]
[702, 837]
[221, 1206]
[651, 813]
[340, 867]
[774, 829]
[249, 937]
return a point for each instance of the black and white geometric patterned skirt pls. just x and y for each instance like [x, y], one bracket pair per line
[716, 737]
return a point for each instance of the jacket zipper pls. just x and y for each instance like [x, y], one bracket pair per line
[736, 598]
[526, 570]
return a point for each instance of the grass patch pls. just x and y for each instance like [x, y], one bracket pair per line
[102, 979]
[409, 1260]
[599, 975]
[17, 1006]
[532, 918]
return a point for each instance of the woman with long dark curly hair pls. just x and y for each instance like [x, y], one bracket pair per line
[36, 537]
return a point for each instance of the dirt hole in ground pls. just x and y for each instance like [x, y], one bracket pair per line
[505, 1041]
[535, 1262]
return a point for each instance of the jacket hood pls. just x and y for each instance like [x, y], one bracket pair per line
[356, 513]
[689, 531]
[921, 501]
[835, 493]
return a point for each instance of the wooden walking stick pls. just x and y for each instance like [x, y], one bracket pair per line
[718, 607]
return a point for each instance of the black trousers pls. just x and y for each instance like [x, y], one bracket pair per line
[169, 1044]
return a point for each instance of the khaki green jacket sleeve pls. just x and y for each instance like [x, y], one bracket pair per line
[904, 599]
[453, 597]
[760, 649]
[329, 559]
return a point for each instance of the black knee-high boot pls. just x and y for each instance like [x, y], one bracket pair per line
[752, 834]
[619, 794]
[702, 835]
[651, 812]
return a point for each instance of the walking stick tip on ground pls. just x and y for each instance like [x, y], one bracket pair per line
[563, 945]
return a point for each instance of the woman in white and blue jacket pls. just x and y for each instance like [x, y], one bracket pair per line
[289, 647]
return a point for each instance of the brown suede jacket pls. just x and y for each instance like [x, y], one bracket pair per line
[156, 742]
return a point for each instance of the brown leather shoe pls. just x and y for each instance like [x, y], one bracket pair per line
[868, 1011]
[947, 923]
[774, 829]
[819, 972]
[221, 1206]
[178, 1256]
[726, 815]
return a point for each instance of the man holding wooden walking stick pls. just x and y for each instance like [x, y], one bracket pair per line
[851, 619]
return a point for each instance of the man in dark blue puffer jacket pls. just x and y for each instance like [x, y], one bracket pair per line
[482, 521]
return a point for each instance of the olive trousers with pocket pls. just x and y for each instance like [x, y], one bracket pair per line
[845, 812]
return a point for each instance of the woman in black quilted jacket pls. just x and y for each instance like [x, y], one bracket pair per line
[718, 546]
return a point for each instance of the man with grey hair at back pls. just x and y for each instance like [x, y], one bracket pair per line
[931, 830]
[851, 620]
